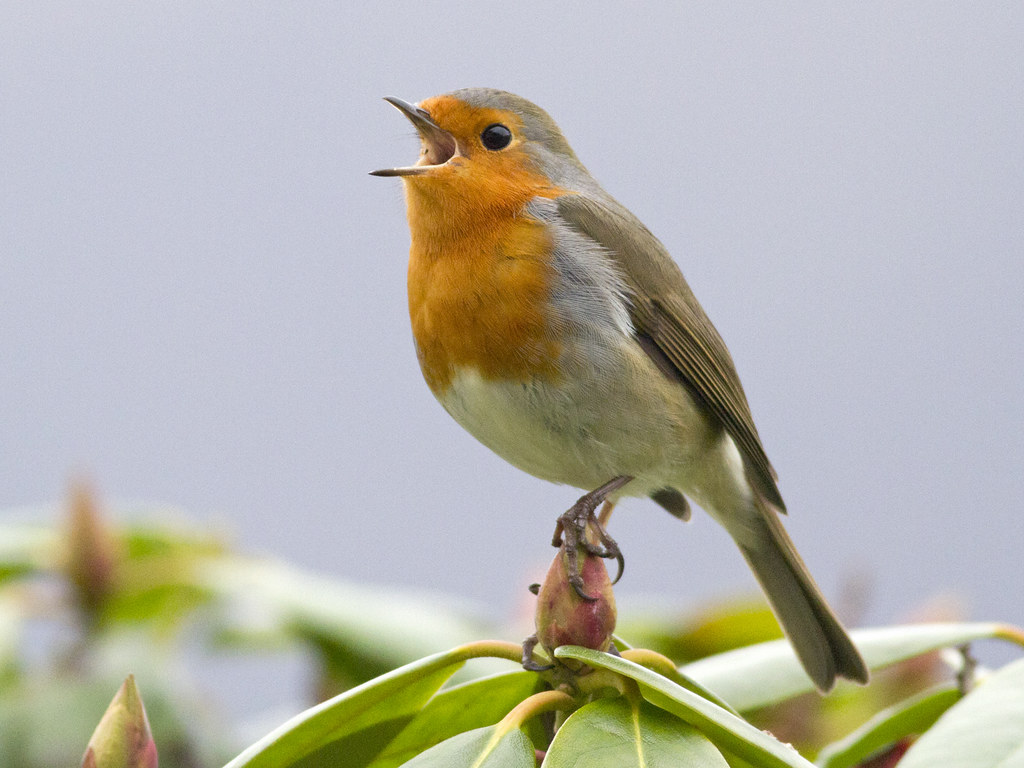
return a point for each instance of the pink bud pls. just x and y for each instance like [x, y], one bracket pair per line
[122, 739]
[92, 551]
[564, 617]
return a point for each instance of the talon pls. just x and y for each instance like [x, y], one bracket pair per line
[528, 663]
[611, 550]
[577, 586]
[620, 563]
[573, 567]
[534, 589]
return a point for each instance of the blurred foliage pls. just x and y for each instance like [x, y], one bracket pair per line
[87, 601]
[686, 636]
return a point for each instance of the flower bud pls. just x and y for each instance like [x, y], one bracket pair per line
[563, 616]
[92, 552]
[122, 739]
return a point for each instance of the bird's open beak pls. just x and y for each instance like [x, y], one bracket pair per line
[438, 145]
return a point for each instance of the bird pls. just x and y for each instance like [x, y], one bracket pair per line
[554, 327]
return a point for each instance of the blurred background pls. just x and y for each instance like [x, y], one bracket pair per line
[202, 292]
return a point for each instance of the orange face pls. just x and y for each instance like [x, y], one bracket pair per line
[485, 170]
[472, 163]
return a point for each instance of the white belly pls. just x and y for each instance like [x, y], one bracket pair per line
[587, 428]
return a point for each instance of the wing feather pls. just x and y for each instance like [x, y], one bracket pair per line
[665, 310]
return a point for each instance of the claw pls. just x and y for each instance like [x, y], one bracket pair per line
[610, 550]
[528, 663]
[575, 576]
[556, 540]
[573, 526]
[620, 563]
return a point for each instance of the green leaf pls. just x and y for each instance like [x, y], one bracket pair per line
[760, 675]
[491, 747]
[985, 730]
[624, 734]
[462, 708]
[653, 661]
[356, 725]
[164, 606]
[727, 731]
[157, 580]
[911, 717]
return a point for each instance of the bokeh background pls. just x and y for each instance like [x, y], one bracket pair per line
[202, 292]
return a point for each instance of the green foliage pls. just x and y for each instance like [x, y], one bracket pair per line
[726, 730]
[135, 596]
[358, 724]
[469, 706]
[984, 730]
[769, 673]
[621, 713]
[702, 632]
[143, 598]
[892, 725]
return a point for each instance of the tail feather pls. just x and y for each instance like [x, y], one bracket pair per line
[821, 643]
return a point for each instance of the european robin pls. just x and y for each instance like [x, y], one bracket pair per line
[551, 324]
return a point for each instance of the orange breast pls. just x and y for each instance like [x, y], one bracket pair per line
[480, 270]
[479, 298]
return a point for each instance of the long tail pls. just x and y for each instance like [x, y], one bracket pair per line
[821, 643]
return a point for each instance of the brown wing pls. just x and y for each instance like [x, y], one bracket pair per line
[665, 311]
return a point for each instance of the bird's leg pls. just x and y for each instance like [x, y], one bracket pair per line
[575, 523]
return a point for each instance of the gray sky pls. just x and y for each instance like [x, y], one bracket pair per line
[202, 293]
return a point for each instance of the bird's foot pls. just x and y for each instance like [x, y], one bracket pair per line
[528, 663]
[575, 524]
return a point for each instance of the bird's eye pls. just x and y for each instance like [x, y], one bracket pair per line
[496, 136]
